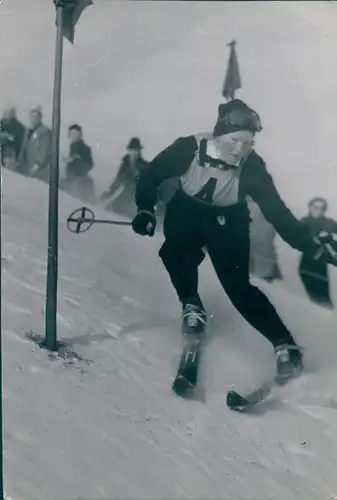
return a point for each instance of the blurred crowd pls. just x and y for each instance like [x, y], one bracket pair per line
[27, 149]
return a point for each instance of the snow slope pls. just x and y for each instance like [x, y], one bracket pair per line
[108, 427]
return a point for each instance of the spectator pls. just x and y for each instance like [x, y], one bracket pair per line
[314, 274]
[126, 179]
[11, 137]
[35, 156]
[263, 257]
[78, 165]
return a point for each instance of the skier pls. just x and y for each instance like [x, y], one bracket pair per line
[217, 171]
[314, 274]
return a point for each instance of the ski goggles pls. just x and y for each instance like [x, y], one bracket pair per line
[238, 119]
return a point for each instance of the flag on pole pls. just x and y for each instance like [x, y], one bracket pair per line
[232, 79]
[72, 10]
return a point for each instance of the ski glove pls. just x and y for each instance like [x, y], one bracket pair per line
[326, 248]
[144, 223]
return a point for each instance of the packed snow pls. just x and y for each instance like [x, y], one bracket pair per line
[103, 424]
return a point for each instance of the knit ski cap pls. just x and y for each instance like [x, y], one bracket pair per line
[235, 116]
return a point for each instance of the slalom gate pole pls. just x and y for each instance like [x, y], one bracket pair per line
[2, 494]
[52, 263]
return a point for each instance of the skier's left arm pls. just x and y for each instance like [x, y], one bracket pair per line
[265, 194]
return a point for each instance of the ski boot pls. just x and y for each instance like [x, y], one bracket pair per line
[288, 362]
[194, 320]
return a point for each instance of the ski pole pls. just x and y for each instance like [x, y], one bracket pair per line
[83, 218]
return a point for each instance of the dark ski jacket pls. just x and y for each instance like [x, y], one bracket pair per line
[128, 173]
[13, 132]
[187, 160]
[316, 226]
[322, 224]
[81, 161]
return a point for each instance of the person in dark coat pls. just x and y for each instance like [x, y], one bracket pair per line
[217, 171]
[314, 274]
[11, 137]
[78, 165]
[128, 173]
[35, 156]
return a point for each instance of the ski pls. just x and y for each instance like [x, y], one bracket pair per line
[237, 402]
[187, 374]
[242, 403]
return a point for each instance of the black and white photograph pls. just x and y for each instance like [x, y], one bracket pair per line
[168, 250]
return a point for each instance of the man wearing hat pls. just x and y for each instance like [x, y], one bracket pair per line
[209, 209]
[131, 166]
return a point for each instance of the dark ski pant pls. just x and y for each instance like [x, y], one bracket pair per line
[187, 229]
[315, 279]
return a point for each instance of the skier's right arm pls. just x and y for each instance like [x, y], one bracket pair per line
[173, 161]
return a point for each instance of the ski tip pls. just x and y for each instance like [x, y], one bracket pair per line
[236, 402]
[182, 386]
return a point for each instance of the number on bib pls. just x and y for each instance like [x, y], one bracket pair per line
[206, 193]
